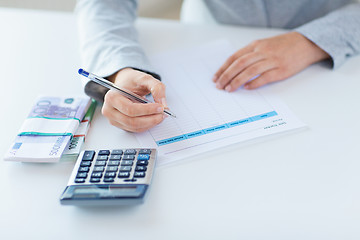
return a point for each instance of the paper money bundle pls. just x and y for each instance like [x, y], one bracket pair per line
[49, 128]
[73, 149]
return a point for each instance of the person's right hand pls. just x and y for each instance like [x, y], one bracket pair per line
[133, 116]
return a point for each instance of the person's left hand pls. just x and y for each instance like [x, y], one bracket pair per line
[268, 60]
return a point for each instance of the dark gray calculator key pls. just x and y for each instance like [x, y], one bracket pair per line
[114, 163]
[112, 169]
[130, 180]
[96, 175]
[116, 152]
[125, 168]
[141, 168]
[100, 163]
[127, 162]
[104, 152]
[88, 155]
[110, 174]
[115, 157]
[79, 180]
[142, 163]
[143, 157]
[102, 157]
[94, 179]
[81, 175]
[130, 152]
[83, 169]
[145, 151]
[98, 169]
[85, 164]
[139, 174]
[128, 157]
[124, 174]
[108, 179]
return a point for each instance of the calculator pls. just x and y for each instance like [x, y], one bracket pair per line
[110, 177]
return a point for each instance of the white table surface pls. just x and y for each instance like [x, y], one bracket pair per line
[302, 185]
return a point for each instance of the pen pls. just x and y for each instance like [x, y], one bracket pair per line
[105, 83]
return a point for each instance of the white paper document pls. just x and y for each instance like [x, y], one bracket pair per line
[208, 118]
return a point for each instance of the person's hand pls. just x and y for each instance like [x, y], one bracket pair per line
[133, 116]
[268, 60]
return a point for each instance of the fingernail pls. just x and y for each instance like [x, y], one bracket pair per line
[214, 78]
[218, 86]
[163, 101]
[160, 109]
[228, 88]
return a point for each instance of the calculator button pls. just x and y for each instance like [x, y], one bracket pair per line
[112, 169]
[143, 157]
[124, 174]
[85, 164]
[117, 152]
[115, 157]
[140, 168]
[96, 175]
[100, 163]
[130, 180]
[83, 169]
[102, 157]
[94, 179]
[125, 168]
[79, 180]
[130, 152]
[81, 175]
[145, 151]
[129, 157]
[104, 152]
[88, 155]
[142, 163]
[127, 163]
[139, 174]
[110, 174]
[108, 179]
[114, 163]
[98, 169]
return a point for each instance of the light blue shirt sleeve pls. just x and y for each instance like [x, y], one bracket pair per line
[108, 38]
[337, 33]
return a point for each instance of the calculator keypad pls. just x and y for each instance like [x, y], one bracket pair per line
[118, 165]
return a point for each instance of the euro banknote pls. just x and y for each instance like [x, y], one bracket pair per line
[48, 129]
[73, 148]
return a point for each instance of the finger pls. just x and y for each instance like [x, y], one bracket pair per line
[237, 67]
[249, 73]
[230, 60]
[156, 88]
[265, 78]
[129, 108]
[134, 124]
[121, 126]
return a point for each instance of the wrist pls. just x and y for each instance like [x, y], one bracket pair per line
[113, 77]
[314, 52]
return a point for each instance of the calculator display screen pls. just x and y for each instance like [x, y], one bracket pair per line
[108, 191]
[116, 189]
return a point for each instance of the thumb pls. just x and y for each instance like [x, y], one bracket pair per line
[157, 90]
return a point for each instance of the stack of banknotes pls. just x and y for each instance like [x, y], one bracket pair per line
[73, 149]
[51, 129]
